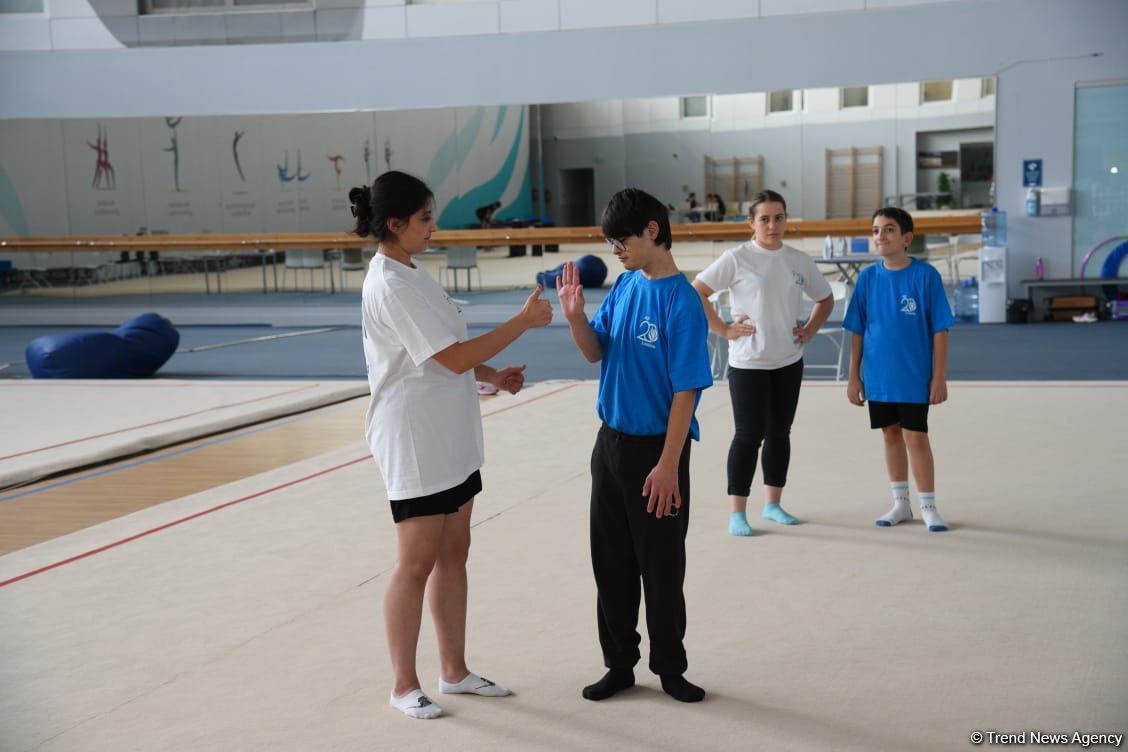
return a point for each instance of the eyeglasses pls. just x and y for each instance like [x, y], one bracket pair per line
[618, 245]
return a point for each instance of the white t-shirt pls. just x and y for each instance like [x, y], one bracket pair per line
[767, 287]
[424, 426]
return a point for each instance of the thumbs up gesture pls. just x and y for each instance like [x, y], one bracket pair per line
[536, 312]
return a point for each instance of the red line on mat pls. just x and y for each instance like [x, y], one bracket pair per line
[158, 422]
[226, 504]
[174, 523]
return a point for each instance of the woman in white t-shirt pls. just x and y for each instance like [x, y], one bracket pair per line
[424, 428]
[766, 281]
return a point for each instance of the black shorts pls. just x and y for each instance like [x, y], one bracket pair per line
[443, 502]
[911, 415]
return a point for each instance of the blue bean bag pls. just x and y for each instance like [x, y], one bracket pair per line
[135, 350]
[593, 272]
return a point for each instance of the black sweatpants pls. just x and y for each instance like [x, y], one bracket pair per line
[628, 546]
[763, 408]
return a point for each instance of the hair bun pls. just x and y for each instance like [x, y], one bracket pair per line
[361, 200]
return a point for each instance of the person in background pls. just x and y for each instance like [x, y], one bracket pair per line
[899, 318]
[766, 280]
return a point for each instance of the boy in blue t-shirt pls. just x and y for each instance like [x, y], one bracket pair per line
[899, 316]
[649, 337]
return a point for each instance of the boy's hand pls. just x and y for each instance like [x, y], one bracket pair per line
[937, 392]
[510, 379]
[570, 292]
[661, 488]
[536, 312]
[855, 392]
[740, 327]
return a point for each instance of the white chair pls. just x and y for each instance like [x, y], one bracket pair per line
[836, 334]
[463, 257]
[973, 244]
[34, 273]
[354, 260]
[306, 258]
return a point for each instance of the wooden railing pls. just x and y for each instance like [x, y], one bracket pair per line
[705, 231]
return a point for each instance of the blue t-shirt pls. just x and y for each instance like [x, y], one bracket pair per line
[897, 312]
[653, 333]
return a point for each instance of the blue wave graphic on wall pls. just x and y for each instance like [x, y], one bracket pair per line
[460, 211]
[500, 119]
[454, 150]
[11, 210]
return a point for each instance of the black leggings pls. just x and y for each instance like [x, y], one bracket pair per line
[763, 407]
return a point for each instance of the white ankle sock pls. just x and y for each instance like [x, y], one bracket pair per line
[901, 511]
[473, 685]
[416, 704]
[931, 517]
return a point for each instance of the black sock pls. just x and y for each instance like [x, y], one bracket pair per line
[613, 681]
[676, 686]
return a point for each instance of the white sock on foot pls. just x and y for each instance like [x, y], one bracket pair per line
[931, 517]
[901, 511]
[416, 704]
[473, 685]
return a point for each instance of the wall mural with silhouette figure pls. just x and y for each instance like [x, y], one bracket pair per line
[262, 173]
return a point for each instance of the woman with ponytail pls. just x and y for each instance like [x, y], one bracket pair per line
[424, 428]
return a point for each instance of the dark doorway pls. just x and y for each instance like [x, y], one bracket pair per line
[977, 167]
[577, 202]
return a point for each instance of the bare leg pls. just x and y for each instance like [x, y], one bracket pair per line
[920, 452]
[448, 594]
[896, 457]
[417, 549]
[897, 463]
[739, 504]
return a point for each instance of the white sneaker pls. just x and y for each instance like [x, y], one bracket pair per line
[1088, 317]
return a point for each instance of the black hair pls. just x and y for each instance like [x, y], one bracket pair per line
[766, 197]
[903, 219]
[393, 195]
[629, 212]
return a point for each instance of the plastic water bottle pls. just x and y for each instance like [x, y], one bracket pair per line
[993, 226]
[973, 300]
[1033, 202]
[1040, 268]
[967, 300]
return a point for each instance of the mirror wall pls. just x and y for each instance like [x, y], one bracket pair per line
[833, 153]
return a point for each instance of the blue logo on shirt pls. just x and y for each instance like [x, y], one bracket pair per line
[908, 305]
[799, 278]
[648, 332]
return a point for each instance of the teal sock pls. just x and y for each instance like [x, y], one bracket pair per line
[775, 513]
[738, 525]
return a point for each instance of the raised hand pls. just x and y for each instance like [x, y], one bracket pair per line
[536, 312]
[570, 292]
[741, 326]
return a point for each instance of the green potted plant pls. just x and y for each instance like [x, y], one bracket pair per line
[944, 185]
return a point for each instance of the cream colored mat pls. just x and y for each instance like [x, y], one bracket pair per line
[259, 626]
[56, 425]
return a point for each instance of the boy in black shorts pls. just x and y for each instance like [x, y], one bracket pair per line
[899, 317]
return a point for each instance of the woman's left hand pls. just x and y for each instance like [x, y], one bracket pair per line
[510, 379]
[803, 335]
